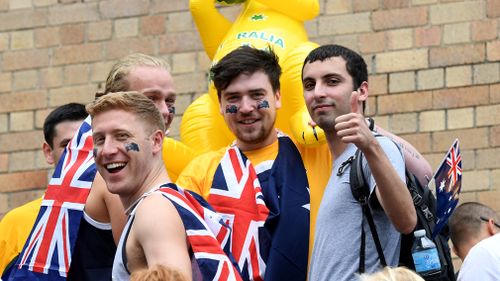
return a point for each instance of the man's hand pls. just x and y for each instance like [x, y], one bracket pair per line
[352, 127]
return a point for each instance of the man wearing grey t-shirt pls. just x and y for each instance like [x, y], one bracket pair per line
[335, 87]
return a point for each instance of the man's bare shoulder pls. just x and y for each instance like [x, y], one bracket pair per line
[154, 212]
[159, 235]
[155, 206]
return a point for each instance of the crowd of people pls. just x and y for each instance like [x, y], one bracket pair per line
[244, 211]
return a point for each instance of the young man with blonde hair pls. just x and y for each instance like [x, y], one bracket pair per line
[128, 133]
[150, 76]
[147, 75]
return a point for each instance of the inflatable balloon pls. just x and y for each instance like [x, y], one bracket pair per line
[276, 24]
[176, 156]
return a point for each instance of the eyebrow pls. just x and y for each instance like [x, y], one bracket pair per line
[257, 90]
[65, 141]
[326, 76]
[156, 92]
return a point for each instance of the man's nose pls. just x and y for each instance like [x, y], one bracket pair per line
[319, 91]
[163, 108]
[247, 105]
[108, 148]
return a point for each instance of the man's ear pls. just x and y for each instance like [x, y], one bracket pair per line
[491, 227]
[157, 141]
[47, 152]
[277, 97]
[363, 91]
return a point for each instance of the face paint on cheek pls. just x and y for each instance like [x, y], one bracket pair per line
[231, 109]
[132, 146]
[263, 104]
[95, 152]
[171, 110]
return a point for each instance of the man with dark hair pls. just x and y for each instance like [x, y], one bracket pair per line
[247, 83]
[475, 234]
[335, 85]
[259, 183]
[58, 129]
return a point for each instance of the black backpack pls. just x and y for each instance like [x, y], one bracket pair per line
[425, 206]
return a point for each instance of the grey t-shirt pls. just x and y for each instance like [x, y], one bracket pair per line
[338, 225]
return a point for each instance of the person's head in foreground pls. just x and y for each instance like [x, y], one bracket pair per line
[392, 274]
[157, 273]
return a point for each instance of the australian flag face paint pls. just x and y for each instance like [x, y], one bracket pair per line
[231, 109]
[263, 104]
[171, 110]
[132, 146]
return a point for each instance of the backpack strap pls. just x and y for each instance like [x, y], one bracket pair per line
[361, 192]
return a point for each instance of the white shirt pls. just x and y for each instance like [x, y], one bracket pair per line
[483, 261]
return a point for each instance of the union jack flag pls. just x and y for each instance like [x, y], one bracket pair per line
[241, 203]
[203, 225]
[48, 250]
[448, 181]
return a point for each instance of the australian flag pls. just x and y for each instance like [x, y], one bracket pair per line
[203, 226]
[48, 250]
[448, 181]
[267, 207]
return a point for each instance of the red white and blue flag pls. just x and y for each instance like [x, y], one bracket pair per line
[202, 226]
[243, 208]
[448, 181]
[48, 250]
[268, 212]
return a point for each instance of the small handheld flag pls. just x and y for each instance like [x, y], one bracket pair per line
[448, 182]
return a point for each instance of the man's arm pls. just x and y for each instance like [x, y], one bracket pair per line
[159, 231]
[415, 162]
[105, 207]
[391, 191]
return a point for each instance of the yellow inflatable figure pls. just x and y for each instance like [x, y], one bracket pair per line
[276, 24]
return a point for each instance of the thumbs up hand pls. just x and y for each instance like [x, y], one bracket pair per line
[352, 127]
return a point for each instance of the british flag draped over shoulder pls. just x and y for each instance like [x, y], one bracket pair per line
[48, 250]
[448, 181]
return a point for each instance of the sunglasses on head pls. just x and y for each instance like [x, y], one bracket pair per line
[487, 220]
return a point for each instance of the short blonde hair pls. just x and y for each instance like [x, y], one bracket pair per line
[117, 82]
[133, 102]
[157, 273]
[392, 274]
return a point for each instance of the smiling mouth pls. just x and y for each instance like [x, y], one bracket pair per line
[321, 106]
[115, 167]
[248, 121]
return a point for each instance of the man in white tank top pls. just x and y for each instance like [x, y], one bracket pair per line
[128, 134]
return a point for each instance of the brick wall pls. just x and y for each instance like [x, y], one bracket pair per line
[434, 72]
